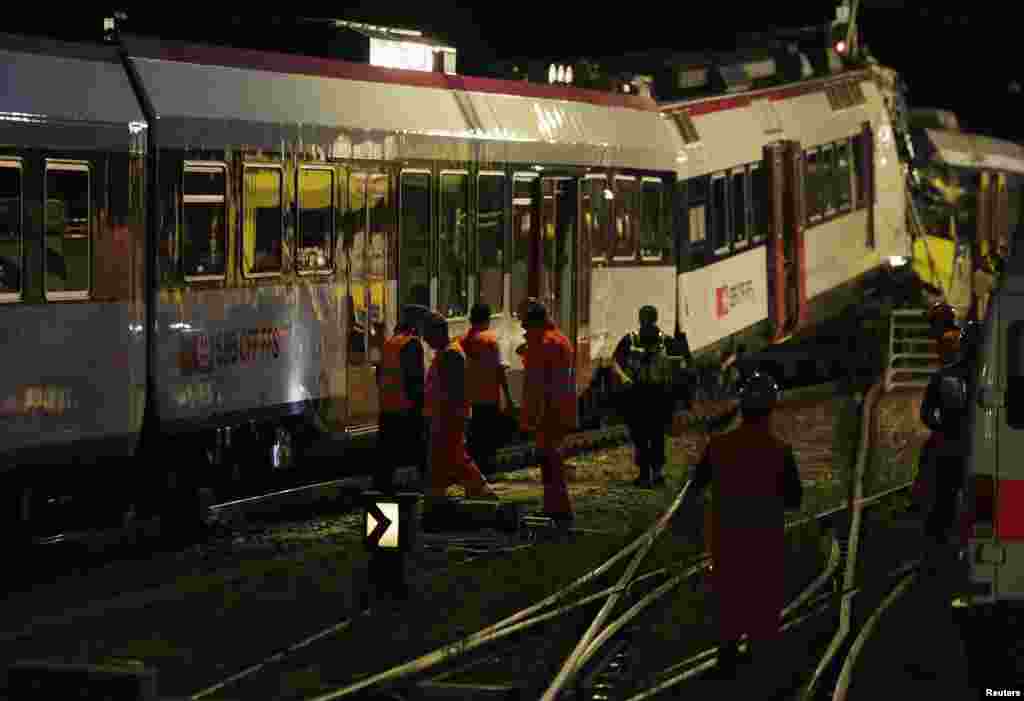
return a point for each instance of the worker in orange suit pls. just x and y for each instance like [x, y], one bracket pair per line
[449, 409]
[549, 402]
[400, 378]
[942, 323]
[754, 479]
[486, 380]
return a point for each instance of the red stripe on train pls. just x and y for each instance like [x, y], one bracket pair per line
[335, 68]
[1010, 509]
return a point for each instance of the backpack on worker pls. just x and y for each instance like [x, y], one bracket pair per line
[650, 366]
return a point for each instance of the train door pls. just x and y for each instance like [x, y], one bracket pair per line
[524, 280]
[787, 278]
[557, 250]
[369, 243]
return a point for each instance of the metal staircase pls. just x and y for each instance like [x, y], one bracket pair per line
[913, 356]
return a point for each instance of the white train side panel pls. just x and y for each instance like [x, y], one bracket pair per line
[616, 297]
[724, 298]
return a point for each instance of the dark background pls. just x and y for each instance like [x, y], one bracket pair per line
[957, 56]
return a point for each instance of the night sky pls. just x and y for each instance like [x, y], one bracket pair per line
[952, 55]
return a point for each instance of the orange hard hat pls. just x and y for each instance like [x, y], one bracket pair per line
[949, 345]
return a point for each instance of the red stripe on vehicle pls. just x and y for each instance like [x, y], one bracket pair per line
[1010, 509]
[345, 70]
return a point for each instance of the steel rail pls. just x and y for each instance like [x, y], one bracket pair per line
[572, 664]
[857, 502]
[846, 674]
[516, 622]
[703, 661]
[581, 654]
[481, 637]
[835, 556]
[507, 625]
[867, 419]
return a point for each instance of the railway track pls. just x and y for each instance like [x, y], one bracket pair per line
[599, 665]
[435, 674]
[815, 608]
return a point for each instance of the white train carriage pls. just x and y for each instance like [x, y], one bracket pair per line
[71, 285]
[435, 190]
[297, 203]
[792, 195]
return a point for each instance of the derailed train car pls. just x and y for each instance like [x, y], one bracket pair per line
[294, 204]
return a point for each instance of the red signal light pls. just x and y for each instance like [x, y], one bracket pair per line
[840, 47]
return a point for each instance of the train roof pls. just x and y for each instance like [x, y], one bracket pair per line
[717, 103]
[973, 151]
[206, 96]
[48, 82]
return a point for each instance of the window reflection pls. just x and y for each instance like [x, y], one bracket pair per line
[316, 219]
[523, 227]
[204, 233]
[68, 227]
[491, 240]
[10, 228]
[414, 252]
[453, 275]
[263, 223]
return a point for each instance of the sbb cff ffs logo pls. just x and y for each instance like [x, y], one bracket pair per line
[727, 297]
[205, 352]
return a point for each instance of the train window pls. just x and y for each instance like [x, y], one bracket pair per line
[719, 214]
[10, 229]
[697, 201]
[414, 251]
[490, 237]
[627, 216]
[263, 223]
[826, 180]
[523, 225]
[596, 204]
[739, 209]
[812, 185]
[856, 94]
[316, 220]
[355, 246]
[842, 174]
[760, 204]
[655, 238]
[380, 220]
[68, 230]
[453, 246]
[204, 231]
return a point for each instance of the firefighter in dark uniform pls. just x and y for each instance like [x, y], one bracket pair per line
[944, 410]
[486, 380]
[643, 366]
[400, 381]
[942, 324]
[754, 479]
